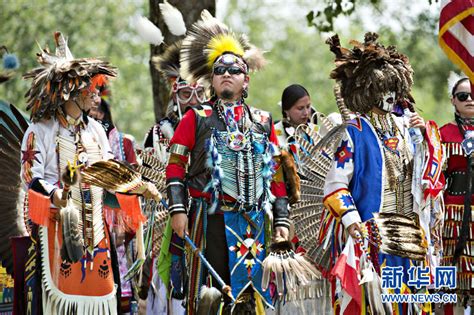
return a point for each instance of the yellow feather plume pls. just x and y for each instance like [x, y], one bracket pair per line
[221, 44]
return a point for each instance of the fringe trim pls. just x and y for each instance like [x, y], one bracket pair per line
[57, 302]
[213, 162]
[454, 212]
[267, 174]
[315, 290]
[453, 148]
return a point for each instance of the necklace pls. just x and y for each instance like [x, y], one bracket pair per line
[468, 135]
[396, 155]
[236, 139]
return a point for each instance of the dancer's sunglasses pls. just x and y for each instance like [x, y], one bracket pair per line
[220, 70]
[463, 96]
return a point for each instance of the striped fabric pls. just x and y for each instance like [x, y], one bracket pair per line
[456, 30]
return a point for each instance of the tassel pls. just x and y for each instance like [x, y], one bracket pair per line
[130, 205]
[39, 206]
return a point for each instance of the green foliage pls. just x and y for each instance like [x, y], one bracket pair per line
[94, 29]
[298, 54]
[292, 61]
[323, 19]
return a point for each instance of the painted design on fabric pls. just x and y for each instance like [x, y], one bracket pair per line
[391, 144]
[339, 202]
[88, 258]
[343, 154]
[248, 248]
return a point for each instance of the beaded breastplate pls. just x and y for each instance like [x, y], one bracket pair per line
[242, 170]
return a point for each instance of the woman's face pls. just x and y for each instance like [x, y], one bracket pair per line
[96, 113]
[462, 100]
[300, 112]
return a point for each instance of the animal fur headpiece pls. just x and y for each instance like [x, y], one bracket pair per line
[206, 41]
[168, 62]
[60, 78]
[369, 71]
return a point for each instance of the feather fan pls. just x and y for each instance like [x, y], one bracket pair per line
[112, 175]
[12, 128]
[290, 269]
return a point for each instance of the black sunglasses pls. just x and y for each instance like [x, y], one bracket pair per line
[220, 70]
[462, 96]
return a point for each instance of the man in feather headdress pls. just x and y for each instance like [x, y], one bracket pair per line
[78, 261]
[373, 184]
[183, 94]
[227, 152]
[167, 298]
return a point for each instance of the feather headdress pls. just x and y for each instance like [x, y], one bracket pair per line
[60, 78]
[168, 63]
[208, 39]
[369, 71]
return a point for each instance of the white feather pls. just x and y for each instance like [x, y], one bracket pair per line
[147, 30]
[167, 130]
[173, 19]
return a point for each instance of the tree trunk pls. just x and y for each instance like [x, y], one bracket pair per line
[191, 10]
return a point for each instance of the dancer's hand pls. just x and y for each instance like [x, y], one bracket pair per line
[151, 191]
[354, 230]
[57, 199]
[416, 121]
[179, 224]
[281, 232]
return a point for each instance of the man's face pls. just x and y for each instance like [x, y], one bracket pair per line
[229, 78]
[190, 95]
[388, 102]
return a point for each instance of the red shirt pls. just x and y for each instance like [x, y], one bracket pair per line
[185, 135]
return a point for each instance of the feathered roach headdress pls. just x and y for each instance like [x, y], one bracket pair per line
[369, 71]
[206, 41]
[61, 78]
[168, 62]
[169, 65]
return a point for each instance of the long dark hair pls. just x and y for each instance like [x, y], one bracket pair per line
[291, 94]
[455, 86]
